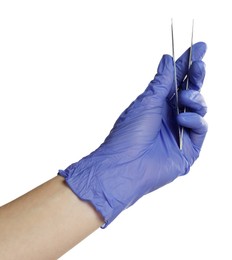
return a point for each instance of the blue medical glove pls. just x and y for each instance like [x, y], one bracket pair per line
[141, 153]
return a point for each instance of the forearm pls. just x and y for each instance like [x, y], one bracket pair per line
[45, 223]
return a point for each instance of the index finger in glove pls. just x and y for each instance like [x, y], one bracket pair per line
[198, 52]
[196, 75]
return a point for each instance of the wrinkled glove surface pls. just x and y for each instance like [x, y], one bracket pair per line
[141, 153]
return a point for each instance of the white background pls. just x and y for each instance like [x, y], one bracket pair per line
[69, 68]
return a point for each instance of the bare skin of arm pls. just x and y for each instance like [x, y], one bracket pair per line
[45, 223]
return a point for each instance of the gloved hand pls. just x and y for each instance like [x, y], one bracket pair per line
[141, 153]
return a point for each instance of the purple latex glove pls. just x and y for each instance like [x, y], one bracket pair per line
[141, 153]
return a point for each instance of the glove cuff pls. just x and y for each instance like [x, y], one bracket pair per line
[86, 185]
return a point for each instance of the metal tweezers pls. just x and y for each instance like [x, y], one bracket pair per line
[180, 128]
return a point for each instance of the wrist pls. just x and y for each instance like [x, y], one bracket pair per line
[88, 181]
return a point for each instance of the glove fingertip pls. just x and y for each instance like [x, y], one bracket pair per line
[165, 65]
[199, 50]
[197, 74]
[193, 121]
